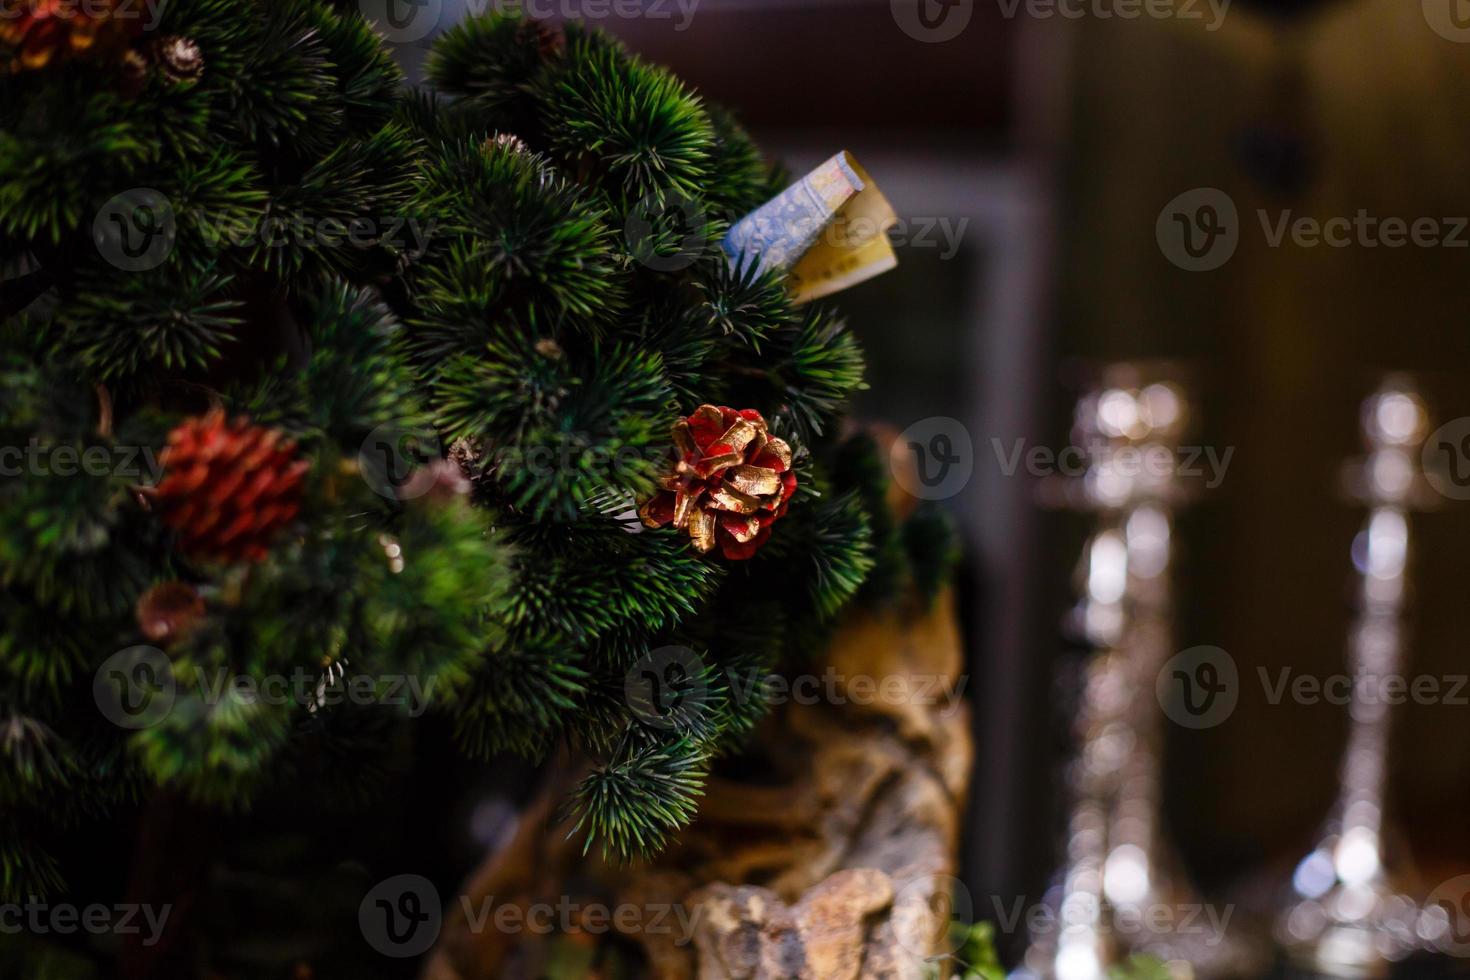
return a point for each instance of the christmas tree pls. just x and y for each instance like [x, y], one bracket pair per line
[194, 352]
[453, 386]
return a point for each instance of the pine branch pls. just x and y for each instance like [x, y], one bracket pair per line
[636, 801]
[632, 128]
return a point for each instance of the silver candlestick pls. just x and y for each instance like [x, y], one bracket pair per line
[1349, 912]
[1118, 867]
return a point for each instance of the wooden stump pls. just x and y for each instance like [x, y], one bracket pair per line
[837, 866]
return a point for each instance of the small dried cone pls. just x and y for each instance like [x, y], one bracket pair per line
[730, 482]
[168, 611]
[465, 453]
[36, 33]
[228, 488]
[179, 58]
[505, 141]
[513, 146]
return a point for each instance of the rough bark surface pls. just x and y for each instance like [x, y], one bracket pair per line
[836, 866]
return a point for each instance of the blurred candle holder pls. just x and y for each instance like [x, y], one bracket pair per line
[1118, 866]
[1349, 912]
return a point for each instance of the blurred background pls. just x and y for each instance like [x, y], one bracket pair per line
[1037, 152]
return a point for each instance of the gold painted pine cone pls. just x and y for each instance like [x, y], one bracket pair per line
[731, 481]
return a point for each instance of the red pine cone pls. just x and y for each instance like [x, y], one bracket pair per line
[228, 488]
[732, 480]
[33, 33]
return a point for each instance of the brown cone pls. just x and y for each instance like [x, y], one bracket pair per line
[179, 58]
[228, 488]
[168, 611]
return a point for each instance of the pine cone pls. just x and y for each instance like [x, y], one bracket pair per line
[168, 611]
[33, 33]
[228, 488]
[179, 58]
[731, 482]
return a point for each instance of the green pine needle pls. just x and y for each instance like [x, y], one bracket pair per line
[635, 802]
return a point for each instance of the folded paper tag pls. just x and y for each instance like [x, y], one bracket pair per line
[827, 230]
